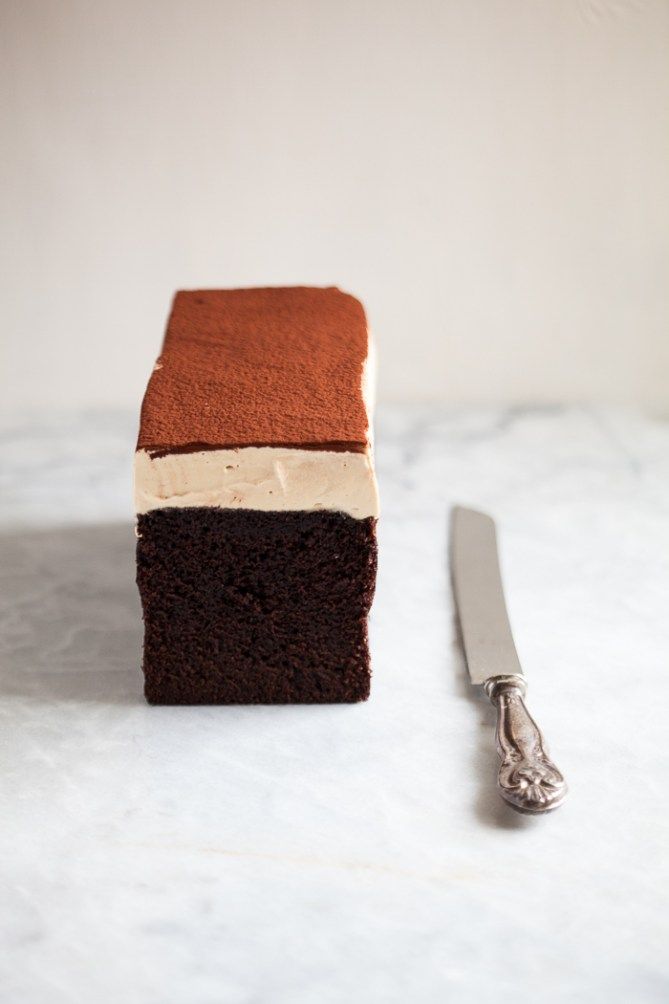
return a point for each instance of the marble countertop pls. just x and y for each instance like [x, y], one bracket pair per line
[318, 855]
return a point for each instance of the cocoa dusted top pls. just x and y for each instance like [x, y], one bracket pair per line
[259, 367]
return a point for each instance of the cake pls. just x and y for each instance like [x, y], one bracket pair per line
[256, 500]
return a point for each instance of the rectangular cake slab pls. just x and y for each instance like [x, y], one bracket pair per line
[256, 500]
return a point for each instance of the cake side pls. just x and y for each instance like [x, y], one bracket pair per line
[256, 500]
[244, 607]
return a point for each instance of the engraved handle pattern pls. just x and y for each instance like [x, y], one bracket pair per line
[528, 779]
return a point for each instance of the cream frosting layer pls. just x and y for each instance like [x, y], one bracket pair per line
[265, 478]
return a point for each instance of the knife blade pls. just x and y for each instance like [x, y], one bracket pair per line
[528, 779]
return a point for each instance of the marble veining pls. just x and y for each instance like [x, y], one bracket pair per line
[343, 854]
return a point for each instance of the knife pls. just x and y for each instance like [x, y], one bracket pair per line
[528, 779]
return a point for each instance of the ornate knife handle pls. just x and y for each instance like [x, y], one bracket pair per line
[528, 779]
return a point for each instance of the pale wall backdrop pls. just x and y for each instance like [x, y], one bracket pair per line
[490, 176]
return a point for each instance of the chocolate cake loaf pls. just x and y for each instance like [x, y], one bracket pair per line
[256, 500]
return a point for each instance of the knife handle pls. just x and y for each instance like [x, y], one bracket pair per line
[528, 779]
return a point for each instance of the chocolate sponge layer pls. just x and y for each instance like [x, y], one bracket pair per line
[244, 607]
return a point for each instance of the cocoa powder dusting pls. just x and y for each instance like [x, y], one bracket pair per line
[259, 367]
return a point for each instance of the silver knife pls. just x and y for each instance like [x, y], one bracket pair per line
[528, 778]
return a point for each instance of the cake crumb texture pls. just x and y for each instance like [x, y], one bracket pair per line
[253, 607]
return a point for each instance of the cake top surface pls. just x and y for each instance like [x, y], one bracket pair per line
[259, 367]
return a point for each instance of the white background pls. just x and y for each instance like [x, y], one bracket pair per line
[489, 177]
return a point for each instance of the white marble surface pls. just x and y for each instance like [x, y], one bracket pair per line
[343, 854]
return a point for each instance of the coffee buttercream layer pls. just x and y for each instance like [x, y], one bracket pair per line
[262, 478]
